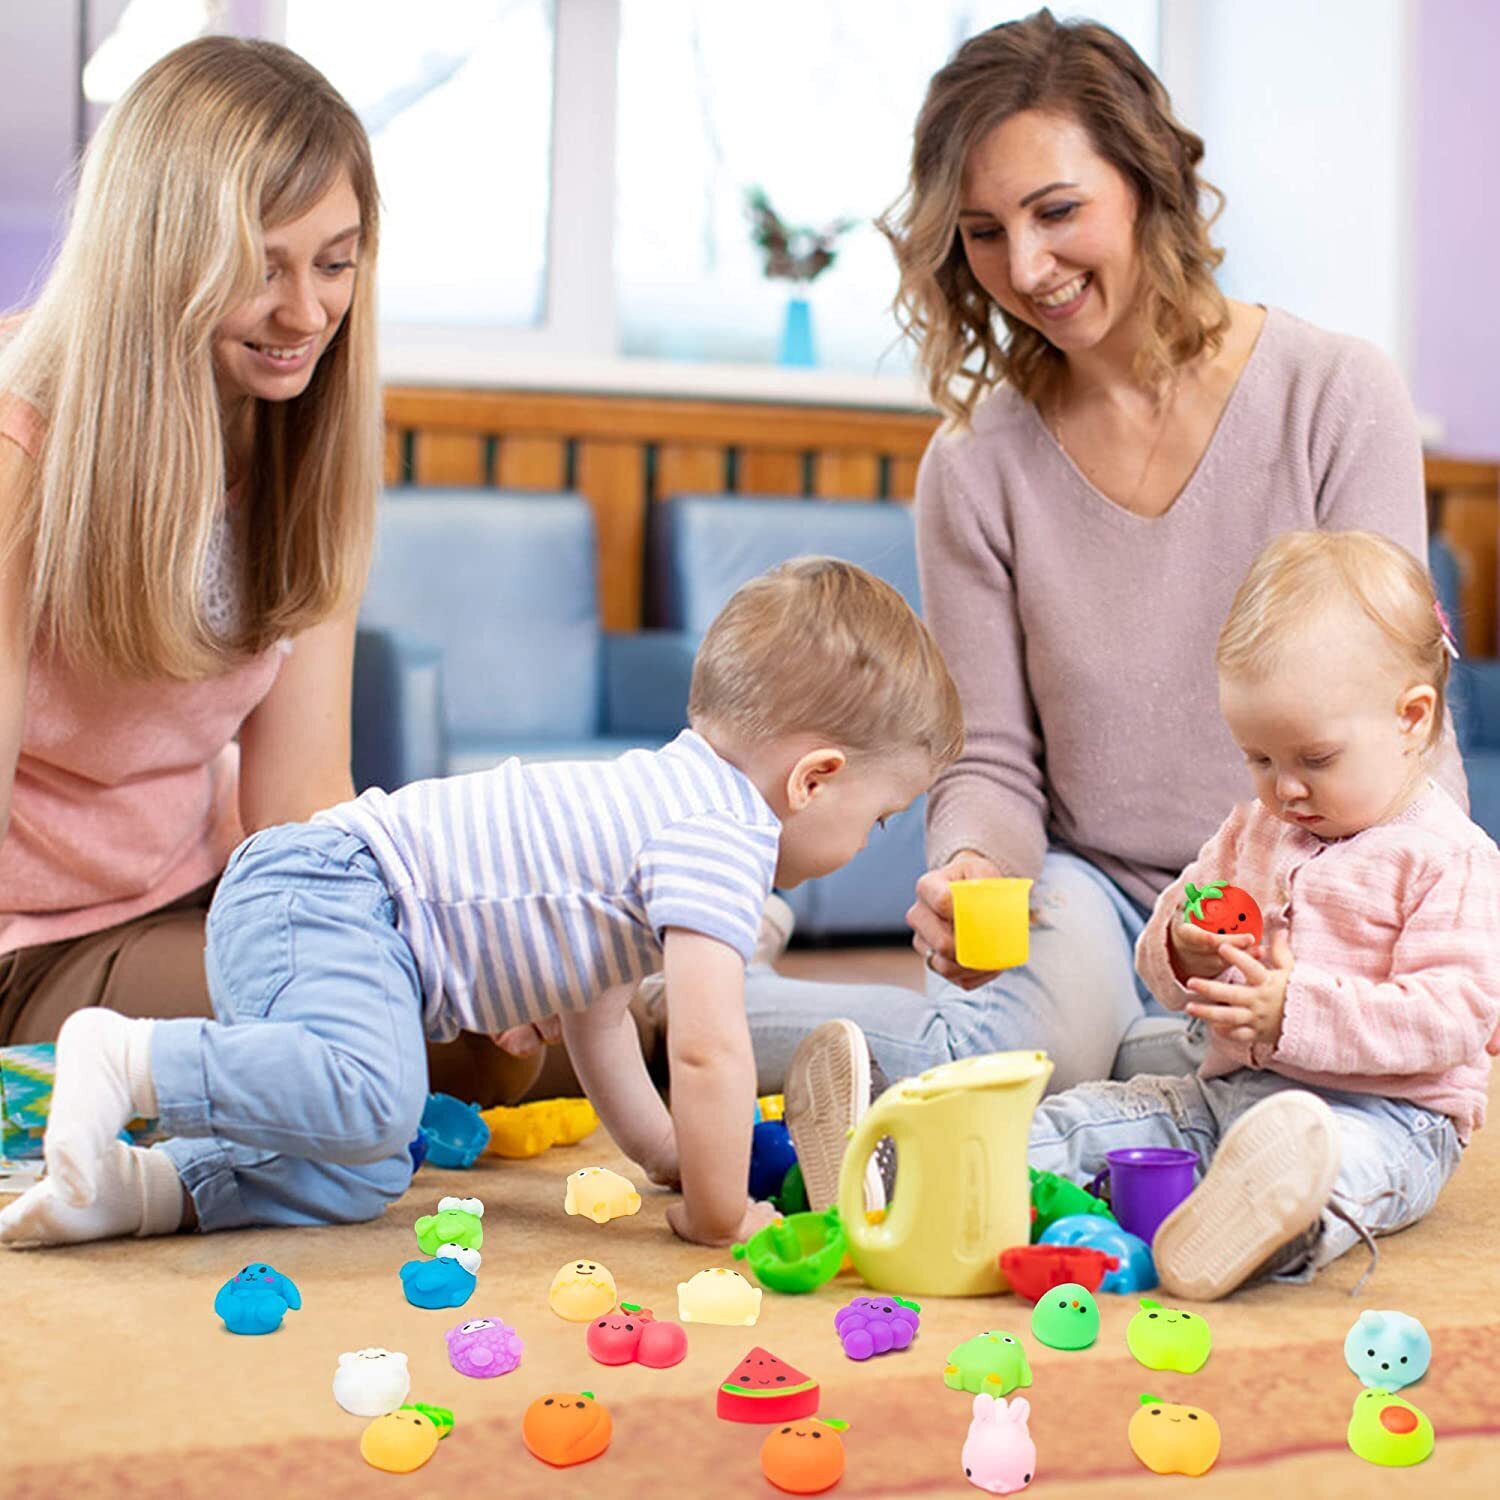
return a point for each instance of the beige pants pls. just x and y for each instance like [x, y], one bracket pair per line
[153, 966]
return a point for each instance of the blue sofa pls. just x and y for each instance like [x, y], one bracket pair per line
[480, 638]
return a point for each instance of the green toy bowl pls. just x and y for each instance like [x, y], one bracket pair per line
[798, 1253]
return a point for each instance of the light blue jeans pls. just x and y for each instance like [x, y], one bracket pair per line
[1077, 998]
[1394, 1156]
[296, 1104]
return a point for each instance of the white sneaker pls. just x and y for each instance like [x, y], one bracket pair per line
[830, 1084]
[1268, 1182]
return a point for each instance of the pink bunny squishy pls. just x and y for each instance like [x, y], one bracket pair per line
[999, 1456]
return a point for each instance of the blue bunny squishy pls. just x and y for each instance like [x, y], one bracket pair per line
[448, 1280]
[1387, 1349]
[255, 1299]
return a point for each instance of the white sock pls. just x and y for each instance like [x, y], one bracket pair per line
[138, 1192]
[103, 1082]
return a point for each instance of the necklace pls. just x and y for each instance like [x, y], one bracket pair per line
[1132, 502]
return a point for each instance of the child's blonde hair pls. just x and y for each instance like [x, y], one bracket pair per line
[1300, 575]
[217, 141]
[819, 646]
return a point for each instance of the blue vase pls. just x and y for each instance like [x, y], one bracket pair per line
[797, 334]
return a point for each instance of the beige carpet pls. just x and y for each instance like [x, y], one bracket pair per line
[120, 1381]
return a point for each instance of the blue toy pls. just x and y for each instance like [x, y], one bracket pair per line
[417, 1147]
[1387, 1349]
[455, 1133]
[255, 1299]
[1137, 1271]
[772, 1156]
[448, 1280]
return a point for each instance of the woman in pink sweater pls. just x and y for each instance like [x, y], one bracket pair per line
[1347, 1063]
[189, 460]
[1123, 440]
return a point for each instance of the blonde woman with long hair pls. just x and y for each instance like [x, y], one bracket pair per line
[189, 448]
[1122, 442]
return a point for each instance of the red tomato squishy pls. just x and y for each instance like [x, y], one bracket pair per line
[1224, 909]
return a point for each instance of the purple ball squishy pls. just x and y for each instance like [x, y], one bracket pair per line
[483, 1347]
[876, 1325]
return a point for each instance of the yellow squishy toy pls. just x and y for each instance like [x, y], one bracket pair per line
[718, 1296]
[404, 1440]
[582, 1290]
[518, 1131]
[1172, 1439]
[600, 1195]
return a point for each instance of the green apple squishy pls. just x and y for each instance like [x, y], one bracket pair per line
[1166, 1338]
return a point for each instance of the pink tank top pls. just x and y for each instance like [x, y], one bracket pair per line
[126, 794]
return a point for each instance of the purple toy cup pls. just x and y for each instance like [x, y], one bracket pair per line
[1146, 1183]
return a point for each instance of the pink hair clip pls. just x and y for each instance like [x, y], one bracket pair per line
[1449, 644]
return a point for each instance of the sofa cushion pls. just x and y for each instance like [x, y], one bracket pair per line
[706, 546]
[503, 586]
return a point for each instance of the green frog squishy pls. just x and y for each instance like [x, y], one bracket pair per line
[992, 1364]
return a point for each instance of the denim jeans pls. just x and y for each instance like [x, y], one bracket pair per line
[296, 1104]
[1077, 998]
[1394, 1155]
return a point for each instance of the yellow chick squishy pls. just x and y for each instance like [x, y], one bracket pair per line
[582, 1291]
[718, 1296]
[600, 1195]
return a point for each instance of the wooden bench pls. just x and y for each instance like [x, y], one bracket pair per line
[625, 452]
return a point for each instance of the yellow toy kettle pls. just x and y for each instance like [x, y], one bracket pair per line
[962, 1194]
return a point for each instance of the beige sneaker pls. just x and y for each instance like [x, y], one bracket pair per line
[830, 1083]
[1268, 1182]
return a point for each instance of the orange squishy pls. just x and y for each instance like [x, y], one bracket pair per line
[566, 1427]
[805, 1457]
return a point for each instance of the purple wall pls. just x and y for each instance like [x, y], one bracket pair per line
[1457, 223]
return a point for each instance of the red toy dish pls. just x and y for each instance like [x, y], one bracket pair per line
[1032, 1269]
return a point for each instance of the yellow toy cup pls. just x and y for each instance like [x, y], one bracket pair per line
[992, 922]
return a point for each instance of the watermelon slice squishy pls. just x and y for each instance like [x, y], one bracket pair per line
[762, 1388]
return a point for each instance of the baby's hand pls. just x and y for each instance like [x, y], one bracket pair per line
[1199, 953]
[524, 1040]
[756, 1216]
[1249, 1012]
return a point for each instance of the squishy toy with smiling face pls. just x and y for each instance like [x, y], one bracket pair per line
[371, 1382]
[600, 1195]
[255, 1299]
[1167, 1338]
[483, 1348]
[566, 1427]
[458, 1221]
[1172, 1439]
[630, 1335]
[1388, 1430]
[581, 1291]
[1066, 1317]
[405, 1439]
[718, 1295]
[804, 1458]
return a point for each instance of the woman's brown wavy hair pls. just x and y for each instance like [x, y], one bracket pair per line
[1086, 72]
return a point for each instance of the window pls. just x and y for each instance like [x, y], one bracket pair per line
[815, 103]
[457, 98]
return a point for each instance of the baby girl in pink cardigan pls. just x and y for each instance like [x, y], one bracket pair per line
[1347, 1060]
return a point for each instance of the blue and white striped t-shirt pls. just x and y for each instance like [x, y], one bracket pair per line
[529, 889]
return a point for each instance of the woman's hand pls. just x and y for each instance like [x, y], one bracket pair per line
[931, 917]
[756, 1217]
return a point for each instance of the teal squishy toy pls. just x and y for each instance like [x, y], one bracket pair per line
[457, 1222]
[1166, 1338]
[255, 1299]
[1388, 1430]
[1136, 1271]
[1066, 1317]
[1387, 1350]
[456, 1132]
[448, 1280]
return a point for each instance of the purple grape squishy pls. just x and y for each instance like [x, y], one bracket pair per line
[876, 1325]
